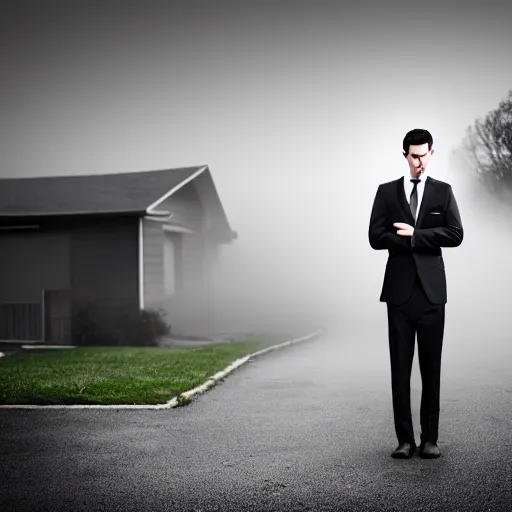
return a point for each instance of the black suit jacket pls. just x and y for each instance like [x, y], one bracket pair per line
[438, 225]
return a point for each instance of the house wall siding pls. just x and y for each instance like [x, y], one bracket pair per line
[187, 309]
[104, 267]
[97, 260]
[30, 261]
[153, 264]
[33, 260]
[186, 207]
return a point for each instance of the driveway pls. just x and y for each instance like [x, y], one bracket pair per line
[305, 428]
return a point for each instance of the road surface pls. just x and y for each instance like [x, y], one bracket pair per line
[308, 427]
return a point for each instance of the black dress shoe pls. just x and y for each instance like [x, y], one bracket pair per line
[429, 450]
[404, 451]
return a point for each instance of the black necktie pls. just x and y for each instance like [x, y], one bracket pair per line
[414, 197]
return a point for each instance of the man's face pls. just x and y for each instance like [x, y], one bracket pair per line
[418, 159]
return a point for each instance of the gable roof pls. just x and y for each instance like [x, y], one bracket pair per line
[130, 193]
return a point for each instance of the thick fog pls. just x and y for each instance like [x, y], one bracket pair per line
[299, 109]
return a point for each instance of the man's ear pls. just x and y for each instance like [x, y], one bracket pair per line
[405, 154]
[432, 151]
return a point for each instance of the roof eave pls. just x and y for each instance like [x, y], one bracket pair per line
[39, 216]
[227, 238]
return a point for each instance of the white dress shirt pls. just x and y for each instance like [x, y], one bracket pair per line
[408, 186]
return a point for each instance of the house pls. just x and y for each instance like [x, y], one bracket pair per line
[112, 243]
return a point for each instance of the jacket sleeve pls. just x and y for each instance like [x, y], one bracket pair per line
[449, 235]
[379, 235]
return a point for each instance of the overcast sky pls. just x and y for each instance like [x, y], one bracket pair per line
[299, 108]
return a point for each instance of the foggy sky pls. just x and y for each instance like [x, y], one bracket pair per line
[299, 108]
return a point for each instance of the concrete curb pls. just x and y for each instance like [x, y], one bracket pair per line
[44, 347]
[174, 402]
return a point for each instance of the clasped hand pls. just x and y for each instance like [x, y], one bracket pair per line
[404, 229]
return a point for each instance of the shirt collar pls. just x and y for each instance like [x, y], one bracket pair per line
[407, 179]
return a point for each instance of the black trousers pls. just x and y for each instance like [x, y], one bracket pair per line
[424, 320]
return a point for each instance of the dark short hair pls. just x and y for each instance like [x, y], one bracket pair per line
[417, 137]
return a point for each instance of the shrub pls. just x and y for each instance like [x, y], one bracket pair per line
[88, 329]
[146, 327]
[130, 328]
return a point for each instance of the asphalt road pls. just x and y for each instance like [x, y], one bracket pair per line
[308, 427]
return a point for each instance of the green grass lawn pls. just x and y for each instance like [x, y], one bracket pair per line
[123, 375]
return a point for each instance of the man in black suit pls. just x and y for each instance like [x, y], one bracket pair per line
[413, 218]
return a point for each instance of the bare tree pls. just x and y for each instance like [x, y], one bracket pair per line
[488, 144]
